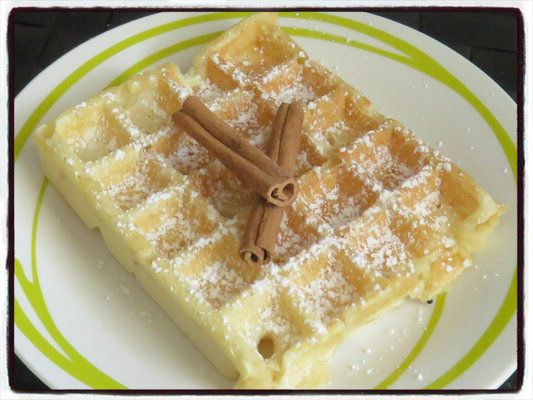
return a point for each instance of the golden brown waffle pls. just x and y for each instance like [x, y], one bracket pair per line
[380, 216]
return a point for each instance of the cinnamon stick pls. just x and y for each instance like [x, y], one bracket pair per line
[262, 227]
[247, 162]
[250, 252]
[194, 107]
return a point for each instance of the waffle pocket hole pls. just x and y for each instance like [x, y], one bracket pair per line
[266, 347]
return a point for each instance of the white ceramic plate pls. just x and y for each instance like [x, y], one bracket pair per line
[83, 322]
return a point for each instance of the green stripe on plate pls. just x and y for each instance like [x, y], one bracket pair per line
[417, 59]
[486, 340]
[159, 55]
[426, 334]
[74, 364]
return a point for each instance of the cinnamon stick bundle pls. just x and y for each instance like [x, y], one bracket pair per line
[256, 170]
[264, 221]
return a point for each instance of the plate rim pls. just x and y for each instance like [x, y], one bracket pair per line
[203, 14]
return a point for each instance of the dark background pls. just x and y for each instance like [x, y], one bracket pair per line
[488, 39]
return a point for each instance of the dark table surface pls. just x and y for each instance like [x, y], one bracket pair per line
[488, 39]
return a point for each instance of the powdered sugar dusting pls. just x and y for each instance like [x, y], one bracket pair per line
[325, 297]
[381, 252]
[217, 283]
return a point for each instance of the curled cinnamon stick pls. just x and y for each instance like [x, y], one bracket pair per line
[264, 221]
[247, 162]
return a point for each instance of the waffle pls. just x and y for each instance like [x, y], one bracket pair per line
[380, 215]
